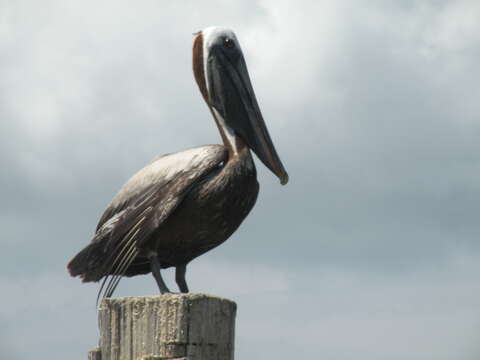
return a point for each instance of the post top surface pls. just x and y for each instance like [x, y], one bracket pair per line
[166, 297]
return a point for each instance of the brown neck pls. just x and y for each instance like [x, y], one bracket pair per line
[198, 66]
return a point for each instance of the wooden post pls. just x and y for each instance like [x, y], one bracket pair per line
[170, 326]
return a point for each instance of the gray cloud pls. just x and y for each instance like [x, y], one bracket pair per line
[374, 110]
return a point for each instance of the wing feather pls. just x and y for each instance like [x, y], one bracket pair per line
[140, 207]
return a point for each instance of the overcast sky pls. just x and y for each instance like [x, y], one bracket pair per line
[372, 250]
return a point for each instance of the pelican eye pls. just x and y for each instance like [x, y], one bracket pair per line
[228, 43]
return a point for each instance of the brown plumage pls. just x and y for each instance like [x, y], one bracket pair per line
[184, 204]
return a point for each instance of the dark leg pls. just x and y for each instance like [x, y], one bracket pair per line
[155, 266]
[180, 278]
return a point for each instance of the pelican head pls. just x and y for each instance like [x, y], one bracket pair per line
[222, 76]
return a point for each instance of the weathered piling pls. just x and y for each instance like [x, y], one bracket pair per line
[170, 326]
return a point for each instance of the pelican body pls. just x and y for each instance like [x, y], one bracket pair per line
[184, 204]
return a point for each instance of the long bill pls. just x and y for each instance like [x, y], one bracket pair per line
[232, 95]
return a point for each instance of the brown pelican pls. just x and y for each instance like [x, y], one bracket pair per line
[182, 205]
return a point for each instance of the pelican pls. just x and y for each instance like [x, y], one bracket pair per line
[184, 204]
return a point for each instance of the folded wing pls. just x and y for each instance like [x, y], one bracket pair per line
[140, 207]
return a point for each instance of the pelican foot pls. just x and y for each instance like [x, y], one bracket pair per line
[180, 272]
[156, 266]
